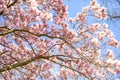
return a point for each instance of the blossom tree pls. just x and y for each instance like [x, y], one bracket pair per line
[37, 41]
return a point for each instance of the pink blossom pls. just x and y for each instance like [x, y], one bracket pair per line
[110, 62]
[40, 38]
[95, 42]
[110, 54]
[70, 20]
[113, 42]
[101, 35]
[110, 70]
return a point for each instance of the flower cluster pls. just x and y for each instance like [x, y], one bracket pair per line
[100, 12]
[113, 42]
[39, 39]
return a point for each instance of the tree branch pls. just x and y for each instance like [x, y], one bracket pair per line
[116, 16]
[118, 2]
[40, 35]
[20, 64]
[22, 30]
[8, 6]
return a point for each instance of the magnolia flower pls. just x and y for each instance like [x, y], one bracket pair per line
[32, 3]
[117, 64]
[110, 54]
[47, 16]
[75, 40]
[94, 27]
[110, 70]
[113, 42]
[78, 50]
[109, 62]
[98, 61]
[95, 42]
[101, 35]
[85, 10]
[95, 7]
[70, 20]
[73, 32]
